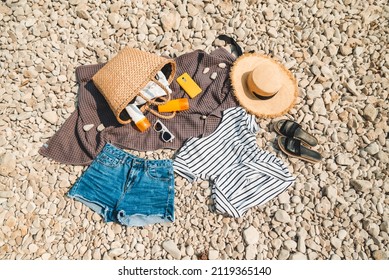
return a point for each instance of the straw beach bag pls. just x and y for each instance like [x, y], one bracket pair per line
[123, 77]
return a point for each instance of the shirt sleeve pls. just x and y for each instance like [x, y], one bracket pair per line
[252, 124]
[181, 168]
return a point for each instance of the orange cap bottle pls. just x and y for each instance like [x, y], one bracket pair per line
[141, 122]
[180, 104]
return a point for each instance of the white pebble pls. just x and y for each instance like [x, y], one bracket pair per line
[251, 235]
[172, 249]
[100, 128]
[88, 127]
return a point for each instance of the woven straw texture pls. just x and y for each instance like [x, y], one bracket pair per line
[122, 78]
[273, 107]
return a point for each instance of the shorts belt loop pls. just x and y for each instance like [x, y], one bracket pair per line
[146, 165]
[124, 159]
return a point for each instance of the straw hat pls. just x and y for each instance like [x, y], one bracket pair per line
[263, 86]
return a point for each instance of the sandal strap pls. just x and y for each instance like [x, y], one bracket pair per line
[293, 146]
[289, 128]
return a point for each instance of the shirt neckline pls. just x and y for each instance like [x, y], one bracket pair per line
[225, 112]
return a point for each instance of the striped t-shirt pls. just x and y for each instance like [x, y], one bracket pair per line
[243, 175]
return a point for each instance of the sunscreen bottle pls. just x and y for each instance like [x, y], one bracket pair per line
[141, 122]
[174, 105]
[153, 90]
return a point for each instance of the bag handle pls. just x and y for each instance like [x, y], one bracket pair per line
[231, 41]
[156, 103]
[166, 117]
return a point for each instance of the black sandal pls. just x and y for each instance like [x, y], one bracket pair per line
[292, 129]
[292, 147]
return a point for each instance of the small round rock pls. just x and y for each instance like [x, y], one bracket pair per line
[100, 128]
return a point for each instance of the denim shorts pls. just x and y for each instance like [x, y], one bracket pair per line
[126, 189]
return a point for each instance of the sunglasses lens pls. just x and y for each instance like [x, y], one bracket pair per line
[166, 136]
[158, 127]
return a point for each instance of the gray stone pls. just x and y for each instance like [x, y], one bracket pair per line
[272, 32]
[298, 256]
[344, 159]
[192, 10]
[50, 116]
[290, 244]
[139, 247]
[30, 22]
[372, 228]
[69, 248]
[3, 141]
[251, 235]
[345, 50]
[30, 207]
[116, 252]
[29, 193]
[335, 257]
[379, 255]
[268, 14]
[315, 92]
[370, 112]
[310, 243]
[361, 185]
[82, 11]
[282, 216]
[210, 9]
[213, 254]
[115, 7]
[251, 252]
[6, 194]
[155, 249]
[283, 255]
[33, 248]
[372, 148]
[284, 197]
[169, 21]
[336, 242]
[46, 256]
[189, 250]
[319, 107]
[326, 71]
[331, 192]
[342, 234]
[113, 18]
[358, 51]
[352, 87]
[332, 50]
[385, 226]
[383, 156]
[7, 163]
[172, 249]
[301, 244]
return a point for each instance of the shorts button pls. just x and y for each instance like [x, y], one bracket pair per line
[203, 117]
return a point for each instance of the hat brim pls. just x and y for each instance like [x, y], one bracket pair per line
[272, 107]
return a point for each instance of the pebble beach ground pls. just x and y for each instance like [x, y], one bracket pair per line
[338, 51]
